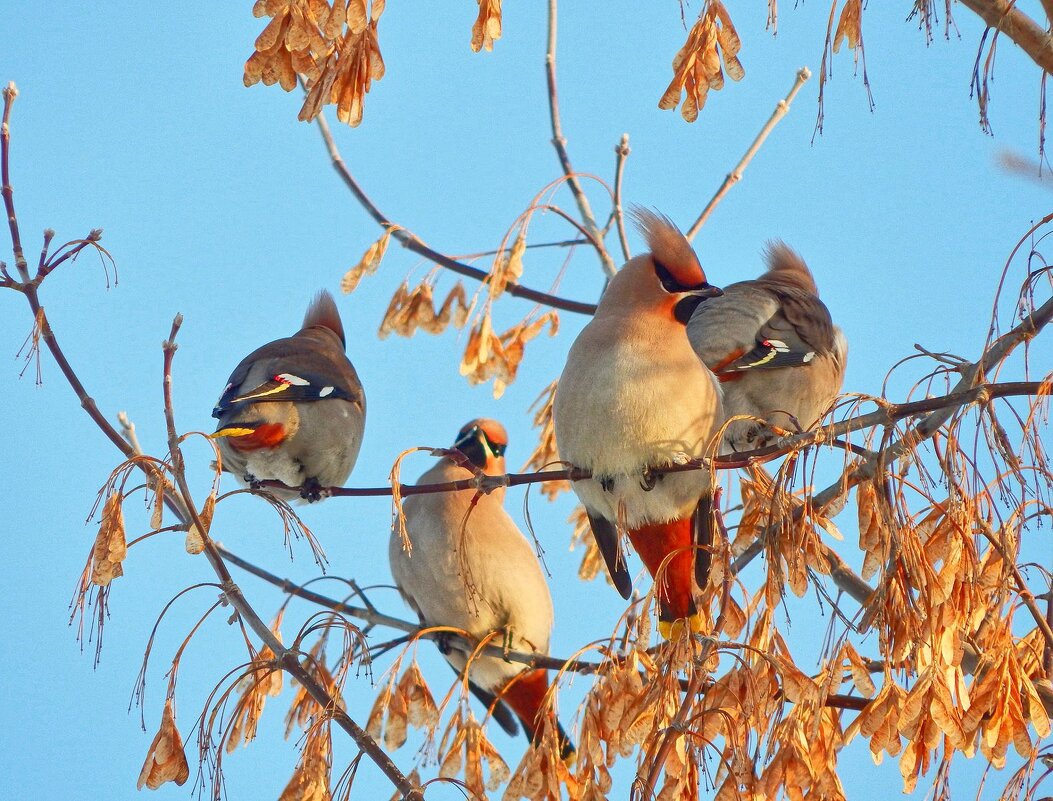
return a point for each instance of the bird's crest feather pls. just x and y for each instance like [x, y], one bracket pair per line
[668, 246]
[323, 313]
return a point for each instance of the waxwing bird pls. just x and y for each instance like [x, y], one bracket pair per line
[470, 567]
[634, 396]
[774, 348]
[294, 410]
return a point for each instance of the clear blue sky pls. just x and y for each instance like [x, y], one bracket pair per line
[218, 204]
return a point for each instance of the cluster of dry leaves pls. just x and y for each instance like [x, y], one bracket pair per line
[332, 46]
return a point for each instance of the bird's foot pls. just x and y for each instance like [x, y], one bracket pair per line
[606, 482]
[442, 642]
[311, 490]
[650, 479]
[252, 481]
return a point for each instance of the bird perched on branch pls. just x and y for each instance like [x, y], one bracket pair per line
[634, 396]
[774, 348]
[294, 410]
[467, 565]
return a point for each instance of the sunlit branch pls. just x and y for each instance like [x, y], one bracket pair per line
[888, 414]
[411, 242]
[560, 143]
[733, 177]
[415, 631]
[1005, 16]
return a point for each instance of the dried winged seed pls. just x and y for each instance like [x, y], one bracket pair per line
[157, 513]
[796, 686]
[110, 548]
[375, 723]
[367, 265]
[377, 9]
[860, 675]
[395, 726]
[273, 34]
[356, 16]
[195, 539]
[259, 8]
[487, 27]
[387, 324]
[165, 760]
[726, 33]
[849, 25]
[451, 763]
[454, 309]
[420, 705]
[499, 771]
[298, 37]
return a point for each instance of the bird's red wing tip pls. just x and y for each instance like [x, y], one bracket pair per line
[268, 435]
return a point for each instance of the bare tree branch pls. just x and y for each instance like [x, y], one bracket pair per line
[1004, 16]
[733, 177]
[288, 660]
[622, 151]
[560, 143]
[886, 415]
[411, 242]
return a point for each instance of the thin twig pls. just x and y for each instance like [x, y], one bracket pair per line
[733, 177]
[560, 143]
[10, 93]
[622, 151]
[411, 242]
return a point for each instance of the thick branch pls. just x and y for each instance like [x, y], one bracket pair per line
[411, 242]
[1004, 16]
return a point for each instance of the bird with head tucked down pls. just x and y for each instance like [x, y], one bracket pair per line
[293, 410]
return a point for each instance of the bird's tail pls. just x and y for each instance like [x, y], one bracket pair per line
[526, 695]
[686, 543]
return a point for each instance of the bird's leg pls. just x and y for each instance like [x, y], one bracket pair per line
[506, 643]
[606, 482]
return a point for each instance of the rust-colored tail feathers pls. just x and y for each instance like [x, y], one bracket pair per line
[526, 695]
[687, 543]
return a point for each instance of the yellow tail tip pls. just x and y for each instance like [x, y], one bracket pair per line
[674, 629]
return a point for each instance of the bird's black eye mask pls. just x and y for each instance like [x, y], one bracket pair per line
[474, 443]
[671, 285]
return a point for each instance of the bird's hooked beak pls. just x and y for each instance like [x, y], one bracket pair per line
[477, 446]
[686, 306]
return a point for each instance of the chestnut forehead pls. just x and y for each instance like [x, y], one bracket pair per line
[494, 431]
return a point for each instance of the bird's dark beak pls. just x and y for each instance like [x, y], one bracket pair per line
[708, 291]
